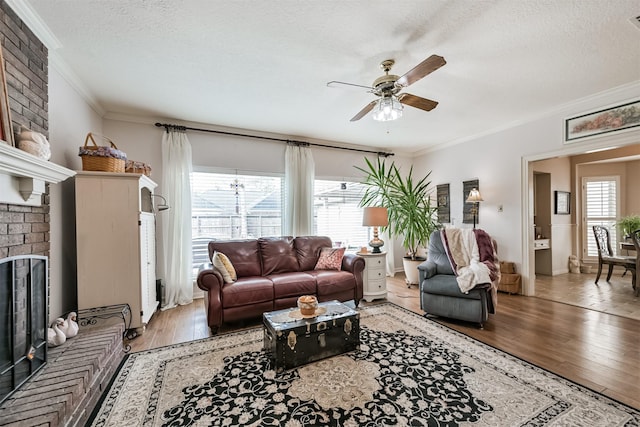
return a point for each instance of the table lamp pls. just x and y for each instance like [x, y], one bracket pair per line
[475, 198]
[375, 217]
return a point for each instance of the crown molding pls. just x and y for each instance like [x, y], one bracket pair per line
[622, 92]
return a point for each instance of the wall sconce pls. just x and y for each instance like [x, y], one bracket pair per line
[162, 206]
[375, 217]
[475, 198]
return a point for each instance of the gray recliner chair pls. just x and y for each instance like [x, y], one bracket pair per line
[439, 291]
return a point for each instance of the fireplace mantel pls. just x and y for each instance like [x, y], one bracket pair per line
[23, 176]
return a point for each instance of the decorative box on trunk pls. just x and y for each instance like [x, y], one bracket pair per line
[292, 339]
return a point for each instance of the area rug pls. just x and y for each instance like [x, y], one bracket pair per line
[409, 371]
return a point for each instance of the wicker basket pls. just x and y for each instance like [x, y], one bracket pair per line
[101, 159]
[132, 166]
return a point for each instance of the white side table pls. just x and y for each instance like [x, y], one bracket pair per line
[374, 276]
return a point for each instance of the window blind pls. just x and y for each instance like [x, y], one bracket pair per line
[600, 195]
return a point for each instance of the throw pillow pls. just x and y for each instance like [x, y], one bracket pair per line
[330, 259]
[222, 264]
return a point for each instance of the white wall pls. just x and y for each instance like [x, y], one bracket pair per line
[70, 118]
[500, 162]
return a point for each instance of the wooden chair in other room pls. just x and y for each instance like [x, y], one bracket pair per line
[635, 237]
[608, 257]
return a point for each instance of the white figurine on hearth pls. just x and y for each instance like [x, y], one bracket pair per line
[70, 325]
[55, 336]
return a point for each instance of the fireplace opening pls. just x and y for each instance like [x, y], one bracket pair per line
[23, 320]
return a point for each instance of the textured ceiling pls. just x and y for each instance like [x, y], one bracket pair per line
[263, 65]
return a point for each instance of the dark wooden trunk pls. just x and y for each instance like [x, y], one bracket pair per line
[293, 342]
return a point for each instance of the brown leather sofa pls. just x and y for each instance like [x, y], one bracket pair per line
[272, 273]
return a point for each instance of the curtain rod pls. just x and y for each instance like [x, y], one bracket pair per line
[167, 127]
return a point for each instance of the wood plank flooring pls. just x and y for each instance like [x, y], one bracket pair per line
[595, 349]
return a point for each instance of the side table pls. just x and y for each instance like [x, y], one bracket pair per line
[374, 276]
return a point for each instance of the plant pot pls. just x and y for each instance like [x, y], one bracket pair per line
[411, 269]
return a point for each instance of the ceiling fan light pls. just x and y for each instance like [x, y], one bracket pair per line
[387, 108]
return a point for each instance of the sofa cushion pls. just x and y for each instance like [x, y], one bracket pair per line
[247, 291]
[243, 254]
[308, 250]
[222, 264]
[293, 284]
[330, 259]
[331, 281]
[278, 255]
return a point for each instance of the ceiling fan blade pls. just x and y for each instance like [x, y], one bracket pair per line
[417, 102]
[424, 68]
[364, 111]
[334, 83]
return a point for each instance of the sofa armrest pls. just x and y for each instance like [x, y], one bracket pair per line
[351, 263]
[355, 264]
[211, 282]
[426, 270]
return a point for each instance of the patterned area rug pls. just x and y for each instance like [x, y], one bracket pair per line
[409, 371]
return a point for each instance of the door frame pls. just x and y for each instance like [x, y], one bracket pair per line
[601, 143]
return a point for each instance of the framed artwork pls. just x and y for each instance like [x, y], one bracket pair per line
[467, 208]
[562, 202]
[6, 128]
[444, 210]
[608, 120]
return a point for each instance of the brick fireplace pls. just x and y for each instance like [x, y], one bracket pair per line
[24, 208]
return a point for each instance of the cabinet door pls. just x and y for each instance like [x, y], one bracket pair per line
[147, 266]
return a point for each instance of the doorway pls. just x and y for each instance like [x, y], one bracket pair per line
[624, 159]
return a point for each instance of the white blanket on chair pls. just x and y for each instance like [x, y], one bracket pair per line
[473, 259]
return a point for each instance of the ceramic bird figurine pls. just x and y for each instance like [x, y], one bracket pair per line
[55, 336]
[70, 326]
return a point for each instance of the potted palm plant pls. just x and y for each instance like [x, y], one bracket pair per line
[629, 224]
[408, 203]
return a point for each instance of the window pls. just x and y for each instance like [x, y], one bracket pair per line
[238, 206]
[233, 206]
[600, 196]
[337, 214]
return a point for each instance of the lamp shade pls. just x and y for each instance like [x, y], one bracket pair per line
[375, 217]
[474, 196]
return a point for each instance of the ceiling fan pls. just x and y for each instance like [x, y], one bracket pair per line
[389, 104]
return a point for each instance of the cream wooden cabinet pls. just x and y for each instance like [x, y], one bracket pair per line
[374, 276]
[115, 237]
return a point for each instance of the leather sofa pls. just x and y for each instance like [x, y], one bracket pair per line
[440, 294]
[272, 273]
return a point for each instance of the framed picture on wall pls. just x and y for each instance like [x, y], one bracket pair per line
[562, 202]
[467, 208]
[612, 119]
[444, 210]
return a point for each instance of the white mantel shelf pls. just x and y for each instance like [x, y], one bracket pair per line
[23, 176]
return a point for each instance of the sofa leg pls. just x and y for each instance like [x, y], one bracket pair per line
[481, 325]
[214, 330]
[356, 302]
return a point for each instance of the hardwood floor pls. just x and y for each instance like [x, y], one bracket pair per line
[595, 349]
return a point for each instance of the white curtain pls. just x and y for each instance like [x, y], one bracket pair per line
[298, 187]
[176, 222]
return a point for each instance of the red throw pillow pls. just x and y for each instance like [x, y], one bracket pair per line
[330, 259]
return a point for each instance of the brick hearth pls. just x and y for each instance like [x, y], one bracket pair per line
[67, 389]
